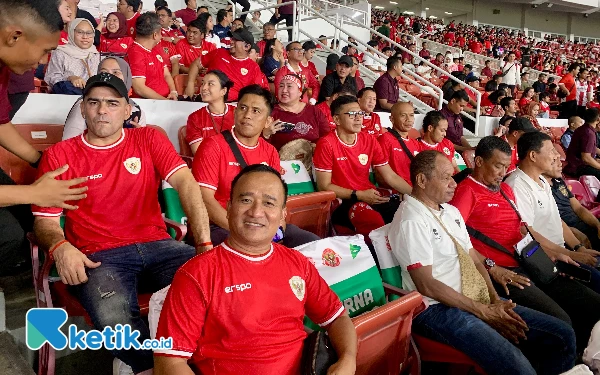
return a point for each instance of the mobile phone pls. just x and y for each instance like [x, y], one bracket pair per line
[287, 127]
[279, 235]
[575, 272]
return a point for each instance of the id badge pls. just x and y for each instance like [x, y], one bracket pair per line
[523, 243]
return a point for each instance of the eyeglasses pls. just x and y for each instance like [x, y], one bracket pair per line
[84, 33]
[297, 49]
[353, 114]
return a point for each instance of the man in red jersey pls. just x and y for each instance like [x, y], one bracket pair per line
[129, 8]
[343, 160]
[239, 308]
[516, 129]
[169, 37]
[193, 46]
[324, 106]
[234, 62]
[151, 76]
[367, 99]
[434, 136]
[218, 165]
[403, 119]
[118, 233]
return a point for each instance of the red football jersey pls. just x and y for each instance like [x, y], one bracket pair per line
[217, 166]
[514, 160]
[349, 165]
[64, 38]
[372, 125]
[311, 66]
[446, 147]
[131, 25]
[489, 213]
[227, 318]
[167, 52]
[203, 124]
[190, 53]
[171, 33]
[243, 72]
[150, 65]
[121, 206]
[393, 151]
[118, 46]
[327, 111]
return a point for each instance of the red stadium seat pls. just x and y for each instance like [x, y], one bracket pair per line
[160, 129]
[311, 212]
[592, 187]
[40, 136]
[181, 81]
[184, 147]
[56, 294]
[414, 133]
[434, 351]
[582, 195]
[436, 81]
[469, 158]
[557, 132]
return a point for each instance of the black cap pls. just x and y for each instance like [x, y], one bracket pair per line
[322, 37]
[346, 60]
[473, 79]
[332, 59]
[522, 124]
[242, 34]
[108, 80]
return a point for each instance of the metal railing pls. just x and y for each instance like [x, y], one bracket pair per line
[271, 9]
[323, 6]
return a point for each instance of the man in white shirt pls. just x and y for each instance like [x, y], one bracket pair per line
[512, 72]
[424, 236]
[375, 66]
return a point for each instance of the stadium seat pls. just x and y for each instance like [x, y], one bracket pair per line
[592, 187]
[181, 81]
[40, 136]
[414, 133]
[184, 147]
[53, 293]
[469, 158]
[557, 132]
[311, 212]
[160, 129]
[583, 196]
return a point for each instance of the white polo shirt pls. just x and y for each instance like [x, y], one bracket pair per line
[537, 205]
[418, 240]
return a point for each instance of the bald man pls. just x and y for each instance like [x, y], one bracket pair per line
[398, 148]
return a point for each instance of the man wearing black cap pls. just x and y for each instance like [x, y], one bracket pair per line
[234, 62]
[516, 129]
[118, 233]
[340, 77]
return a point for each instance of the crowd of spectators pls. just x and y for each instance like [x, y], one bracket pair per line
[443, 219]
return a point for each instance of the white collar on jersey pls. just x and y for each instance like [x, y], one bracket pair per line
[85, 142]
[248, 257]
[243, 145]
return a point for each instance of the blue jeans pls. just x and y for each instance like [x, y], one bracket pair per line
[549, 348]
[110, 295]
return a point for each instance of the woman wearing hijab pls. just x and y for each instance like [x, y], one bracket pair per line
[75, 123]
[115, 41]
[73, 63]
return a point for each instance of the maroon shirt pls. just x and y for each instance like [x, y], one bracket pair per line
[187, 15]
[582, 141]
[311, 124]
[5, 106]
[455, 126]
[386, 87]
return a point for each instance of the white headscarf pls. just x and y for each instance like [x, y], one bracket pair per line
[71, 48]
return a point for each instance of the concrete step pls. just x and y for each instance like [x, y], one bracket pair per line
[11, 360]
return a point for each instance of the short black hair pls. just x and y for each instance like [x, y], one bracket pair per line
[202, 7]
[392, 61]
[432, 118]
[459, 95]
[309, 44]
[259, 168]
[268, 24]
[341, 101]
[187, 2]
[573, 66]
[531, 142]
[288, 48]
[224, 80]
[198, 25]
[591, 115]
[343, 89]
[543, 95]
[505, 102]
[147, 24]
[169, 13]
[239, 19]
[362, 91]
[423, 162]
[260, 91]
[38, 12]
[160, 3]
[491, 85]
[385, 49]
[135, 4]
[487, 146]
[221, 14]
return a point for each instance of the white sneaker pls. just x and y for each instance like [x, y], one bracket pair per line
[120, 368]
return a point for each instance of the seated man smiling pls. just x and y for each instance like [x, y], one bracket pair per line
[239, 308]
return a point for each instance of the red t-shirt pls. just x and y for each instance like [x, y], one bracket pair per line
[217, 166]
[5, 106]
[485, 99]
[475, 46]
[569, 83]
[308, 80]
[227, 318]
[171, 33]
[372, 125]
[150, 65]
[311, 66]
[489, 213]
[131, 25]
[399, 161]
[121, 207]
[349, 165]
[514, 159]
[203, 124]
[310, 123]
[323, 107]
[117, 46]
[64, 38]
[446, 147]
[167, 52]
[190, 53]
[242, 72]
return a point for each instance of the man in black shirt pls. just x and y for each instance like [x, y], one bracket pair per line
[509, 105]
[540, 84]
[571, 211]
[340, 77]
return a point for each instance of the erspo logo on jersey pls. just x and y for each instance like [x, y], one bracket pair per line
[238, 287]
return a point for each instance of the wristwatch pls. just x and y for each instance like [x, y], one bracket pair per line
[576, 247]
[488, 263]
[353, 196]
